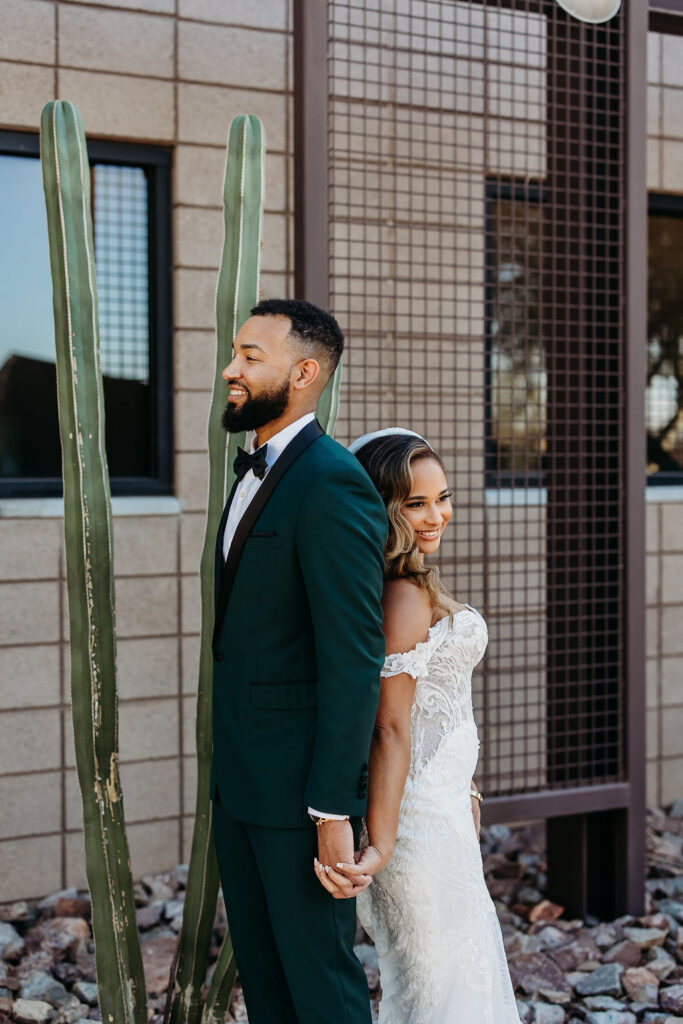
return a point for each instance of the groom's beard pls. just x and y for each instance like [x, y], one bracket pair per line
[255, 412]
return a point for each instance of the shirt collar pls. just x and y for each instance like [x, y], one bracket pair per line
[278, 442]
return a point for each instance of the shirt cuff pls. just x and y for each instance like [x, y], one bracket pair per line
[334, 817]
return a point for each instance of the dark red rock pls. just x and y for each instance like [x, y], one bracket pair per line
[532, 972]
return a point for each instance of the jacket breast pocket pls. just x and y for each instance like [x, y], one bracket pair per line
[284, 696]
[264, 540]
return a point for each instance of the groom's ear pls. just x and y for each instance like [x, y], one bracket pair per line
[306, 373]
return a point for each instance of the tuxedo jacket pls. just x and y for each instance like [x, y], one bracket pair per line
[298, 642]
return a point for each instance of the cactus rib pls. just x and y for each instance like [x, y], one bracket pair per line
[237, 291]
[89, 554]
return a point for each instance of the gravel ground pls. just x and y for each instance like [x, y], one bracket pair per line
[564, 971]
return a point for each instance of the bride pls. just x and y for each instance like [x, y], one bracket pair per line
[438, 940]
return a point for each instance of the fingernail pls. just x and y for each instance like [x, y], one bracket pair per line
[340, 865]
[327, 868]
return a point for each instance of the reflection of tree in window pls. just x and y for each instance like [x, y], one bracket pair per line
[664, 395]
[517, 393]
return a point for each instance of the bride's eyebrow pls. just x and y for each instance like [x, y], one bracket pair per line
[422, 497]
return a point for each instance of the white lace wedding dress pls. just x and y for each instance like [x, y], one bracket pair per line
[439, 943]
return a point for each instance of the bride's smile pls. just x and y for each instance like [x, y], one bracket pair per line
[428, 506]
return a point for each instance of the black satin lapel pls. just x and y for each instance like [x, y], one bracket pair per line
[218, 569]
[294, 449]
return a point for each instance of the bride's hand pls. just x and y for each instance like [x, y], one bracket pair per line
[367, 862]
[476, 814]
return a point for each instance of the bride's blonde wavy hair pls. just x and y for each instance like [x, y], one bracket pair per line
[388, 462]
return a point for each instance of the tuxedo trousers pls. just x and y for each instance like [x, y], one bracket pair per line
[293, 941]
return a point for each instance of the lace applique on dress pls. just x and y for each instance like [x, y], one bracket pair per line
[439, 944]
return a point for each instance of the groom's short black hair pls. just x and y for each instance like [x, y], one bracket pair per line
[315, 332]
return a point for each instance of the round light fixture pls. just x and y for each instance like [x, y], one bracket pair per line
[593, 11]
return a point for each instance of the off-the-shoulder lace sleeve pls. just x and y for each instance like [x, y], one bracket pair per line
[413, 663]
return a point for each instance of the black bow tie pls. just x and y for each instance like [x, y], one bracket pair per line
[255, 462]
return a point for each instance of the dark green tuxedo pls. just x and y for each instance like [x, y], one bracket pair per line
[298, 648]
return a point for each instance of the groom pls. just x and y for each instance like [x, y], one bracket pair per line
[298, 648]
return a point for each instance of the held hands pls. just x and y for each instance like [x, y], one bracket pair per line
[351, 875]
[339, 870]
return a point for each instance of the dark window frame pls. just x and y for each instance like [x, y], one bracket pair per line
[665, 205]
[506, 190]
[156, 162]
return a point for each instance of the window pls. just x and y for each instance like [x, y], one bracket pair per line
[131, 219]
[516, 372]
[664, 394]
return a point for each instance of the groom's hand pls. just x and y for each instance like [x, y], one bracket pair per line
[335, 845]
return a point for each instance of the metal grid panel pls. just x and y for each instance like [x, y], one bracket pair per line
[122, 259]
[476, 176]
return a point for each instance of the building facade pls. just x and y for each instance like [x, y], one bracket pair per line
[157, 83]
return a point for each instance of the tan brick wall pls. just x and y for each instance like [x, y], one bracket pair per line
[171, 72]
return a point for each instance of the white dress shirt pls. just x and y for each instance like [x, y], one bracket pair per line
[247, 488]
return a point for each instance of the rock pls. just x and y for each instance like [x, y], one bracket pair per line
[66, 972]
[59, 935]
[671, 998]
[149, 916]
[70, 1013]
[580, 950]
[611, 1017]
[625, 952]
[157, 957]
[179, 874]
[32, 1011]
[604, 980]
[16, 912]
[546, 911]
[532, 972]
[552, 995]
[641, 985]
[672, 908]
[659, 921]
[603, 1003]
[519, 942]
[659, 1018]
[498, 833]
[676, 809]
[551, 937]
[527, 895]
[8, 936]
[660, 962]
[47, 905]
[160, 887]
[73, 906]
[646, 938]
[545, 1013]
[42, 985]
[524, 1011]
[87, 992]
[604, 936]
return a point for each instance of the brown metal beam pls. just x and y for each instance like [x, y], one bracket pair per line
[636, 335]
[310, 152]
[554, 803]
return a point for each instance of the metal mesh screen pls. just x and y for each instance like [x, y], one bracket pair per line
[476, 163]
[122, 258]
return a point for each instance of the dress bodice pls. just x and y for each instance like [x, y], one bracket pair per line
[442, 667]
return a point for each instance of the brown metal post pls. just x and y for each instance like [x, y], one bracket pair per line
[636, 334]
[310, 152]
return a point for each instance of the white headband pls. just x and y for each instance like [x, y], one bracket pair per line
[386, 432]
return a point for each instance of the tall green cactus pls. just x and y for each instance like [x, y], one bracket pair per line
[237, 292]
[89, 565]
